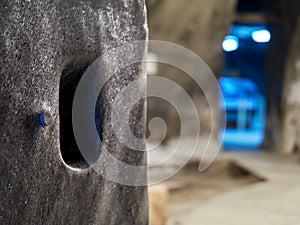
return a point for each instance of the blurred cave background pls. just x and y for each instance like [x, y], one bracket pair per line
[201, 26]
[253, 49]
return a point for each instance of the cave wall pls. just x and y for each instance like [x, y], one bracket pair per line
[291, 96]
[199, 26]
[281, 128]
[41, 42]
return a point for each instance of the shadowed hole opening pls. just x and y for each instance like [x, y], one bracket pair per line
[69, 81]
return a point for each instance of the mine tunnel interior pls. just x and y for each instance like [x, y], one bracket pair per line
[252, 47]
[243, 84]
[249, 41]
[245, 79]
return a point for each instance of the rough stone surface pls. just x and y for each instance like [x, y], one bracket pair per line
[199, 26]
[40, 41]
[282, 31]
[281, 126]
[291, 101]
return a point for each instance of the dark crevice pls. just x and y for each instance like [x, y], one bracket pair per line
[68, 84]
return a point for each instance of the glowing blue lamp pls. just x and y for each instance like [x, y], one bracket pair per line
[261, 36]
[230, 43]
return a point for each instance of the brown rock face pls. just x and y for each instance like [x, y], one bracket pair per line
[282, 126]
[45, 47]
[291, 97]
[199, 26]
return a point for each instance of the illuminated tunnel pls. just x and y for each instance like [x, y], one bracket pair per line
[243, 84]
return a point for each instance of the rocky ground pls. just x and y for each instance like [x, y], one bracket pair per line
[253, 187]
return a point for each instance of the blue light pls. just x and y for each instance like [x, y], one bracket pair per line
[261, 36]
[244, 111]
[242, 31]
[230, 43]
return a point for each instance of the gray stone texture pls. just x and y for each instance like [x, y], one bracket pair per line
[199, 26]
[286, 13]
[39, 42]
[282, 128]
[291, 97]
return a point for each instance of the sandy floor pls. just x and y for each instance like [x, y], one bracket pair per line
[249, 188]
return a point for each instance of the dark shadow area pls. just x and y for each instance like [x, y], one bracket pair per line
[68, 84]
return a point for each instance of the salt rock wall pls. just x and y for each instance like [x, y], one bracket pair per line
[278, 61]
[199, 26]
[41, 43]
[291, 97]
